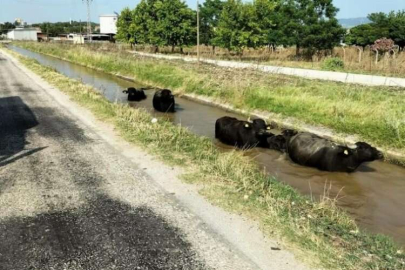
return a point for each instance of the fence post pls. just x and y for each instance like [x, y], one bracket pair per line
[344, 54]
[376, 56]
[360, 53]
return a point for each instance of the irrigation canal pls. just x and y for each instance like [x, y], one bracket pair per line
[373, 195]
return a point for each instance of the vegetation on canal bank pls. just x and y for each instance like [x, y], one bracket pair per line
[375, 114]
[322, 233]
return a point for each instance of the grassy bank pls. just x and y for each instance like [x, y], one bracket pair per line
[393, 66]
[319, 231]
[375, 114]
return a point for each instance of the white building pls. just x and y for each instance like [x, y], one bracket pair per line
[23, 34]
[108, 24]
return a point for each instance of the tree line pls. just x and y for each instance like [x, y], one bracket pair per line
[57, 28]
[310, 25]
[53, 29]
[4, 27]
[391, 26]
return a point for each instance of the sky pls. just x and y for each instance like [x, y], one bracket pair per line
[33, 11]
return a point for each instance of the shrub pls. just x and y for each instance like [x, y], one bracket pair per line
[333, 63]
[383, 45]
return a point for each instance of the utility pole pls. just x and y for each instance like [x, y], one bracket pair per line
[198, 31]
[88, 2]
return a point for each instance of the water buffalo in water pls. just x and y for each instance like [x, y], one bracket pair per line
[135, 94]
[163, 101]
[243, 134]
[313, 151]
[279, 142]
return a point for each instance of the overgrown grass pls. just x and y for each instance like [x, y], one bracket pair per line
[376, 114]
[324, 234]
[355, 60]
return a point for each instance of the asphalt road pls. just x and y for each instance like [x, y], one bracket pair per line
[56, 211]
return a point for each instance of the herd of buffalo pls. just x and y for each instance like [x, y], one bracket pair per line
[303, 148]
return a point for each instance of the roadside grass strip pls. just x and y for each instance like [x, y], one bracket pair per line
[319, 232]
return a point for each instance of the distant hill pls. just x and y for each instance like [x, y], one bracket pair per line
[352, 22]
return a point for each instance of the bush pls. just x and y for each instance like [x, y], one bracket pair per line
[333, 63]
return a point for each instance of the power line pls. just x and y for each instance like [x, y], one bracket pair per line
[88, 2]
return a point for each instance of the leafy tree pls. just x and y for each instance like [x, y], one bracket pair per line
[176, 23]
[163, 23]
[210, 13]
[262, 23]
[309, 24]
[123, 26]
[4, 27]
[233, 31]
[54, 29]
[396, 27]
[142, 20]
[391, 25]
[284, 24]
[364, 35]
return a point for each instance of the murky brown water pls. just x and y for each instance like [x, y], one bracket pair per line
[374, 194]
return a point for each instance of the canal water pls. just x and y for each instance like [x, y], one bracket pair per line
[373, 195]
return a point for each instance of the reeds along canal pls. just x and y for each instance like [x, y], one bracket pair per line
[373, 195]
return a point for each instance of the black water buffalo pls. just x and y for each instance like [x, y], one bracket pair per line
[243, 134]
[163, 101]
[279, 142]
[313, 151]
[135, 94]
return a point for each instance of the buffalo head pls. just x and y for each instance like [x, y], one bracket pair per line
[365, 152]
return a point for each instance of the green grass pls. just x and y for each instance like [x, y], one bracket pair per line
[318, 231]
[375, 114]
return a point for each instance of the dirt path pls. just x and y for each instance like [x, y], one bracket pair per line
[73, 195]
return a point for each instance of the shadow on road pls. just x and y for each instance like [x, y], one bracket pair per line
[16, 118]
[104, 234]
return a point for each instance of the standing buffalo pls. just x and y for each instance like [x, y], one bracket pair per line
[135, 94]
[313, 151]
[163, 101]
[243, 134]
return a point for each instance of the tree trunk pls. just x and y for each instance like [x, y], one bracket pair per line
[297, 50]
[173, 48]
[213, 49]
